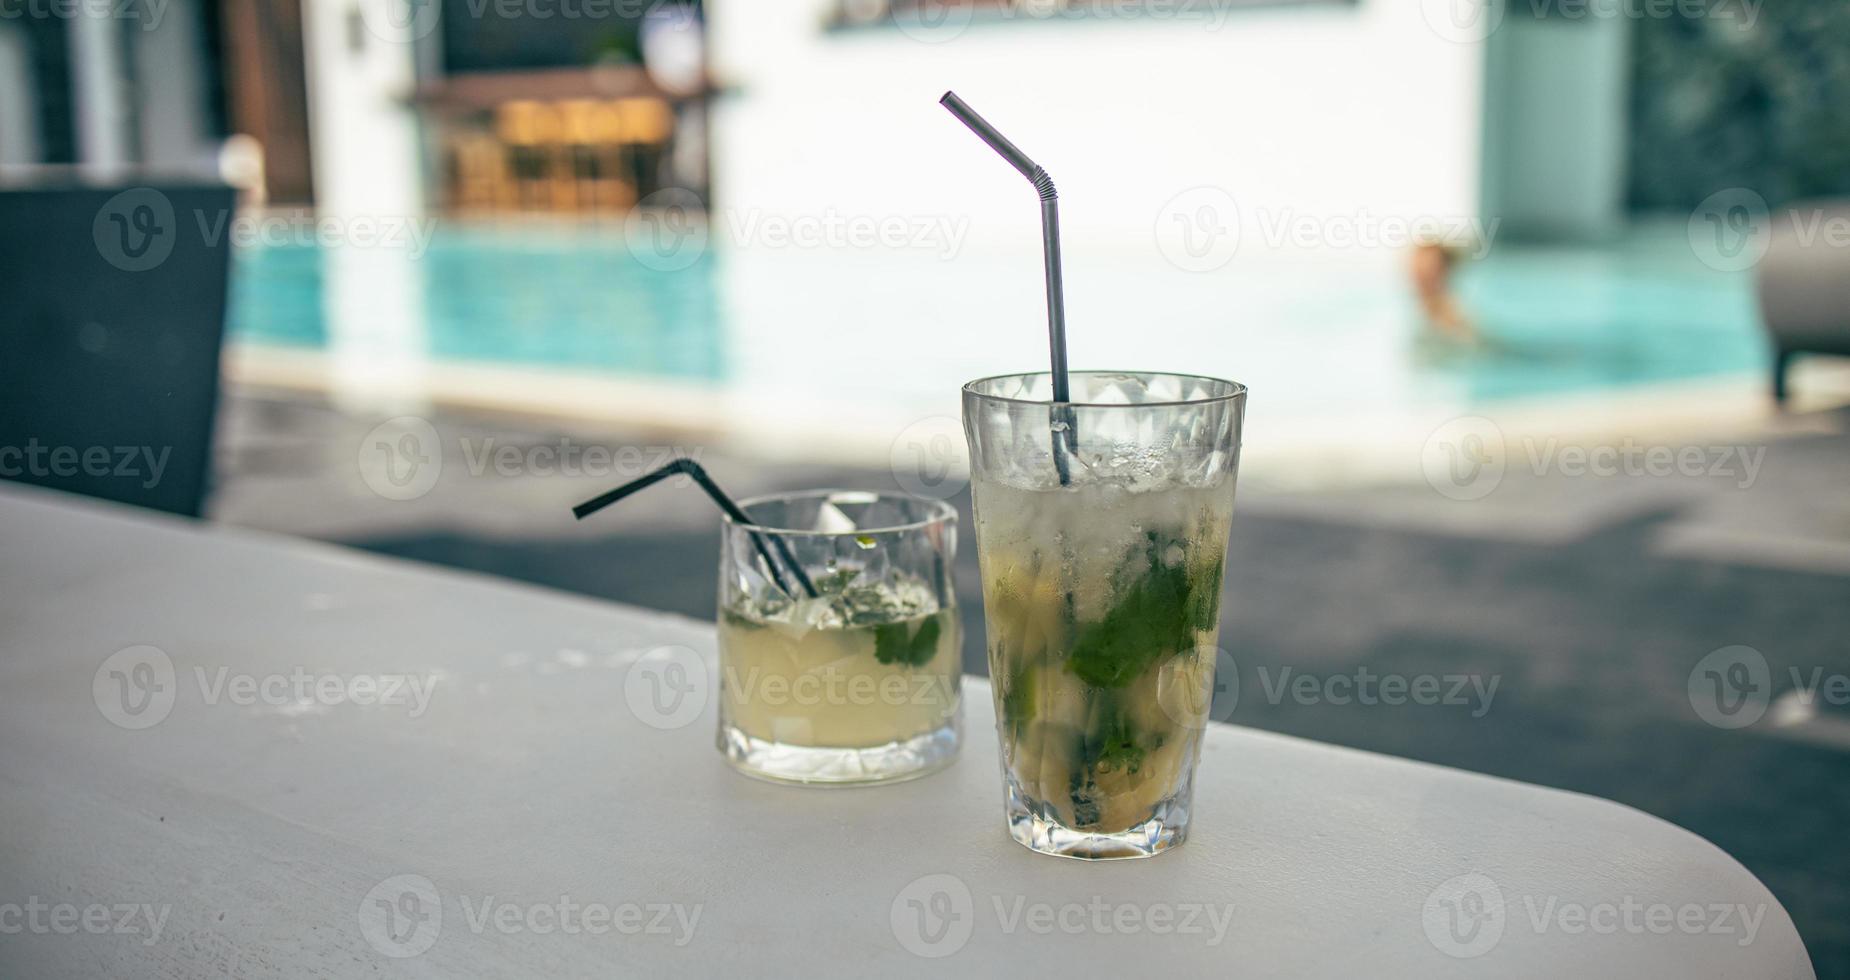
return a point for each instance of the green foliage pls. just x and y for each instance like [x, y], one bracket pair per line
[1730, 95]
[1018, 700]
[893, 645]
[1156, 616]
[1115, 743]
[861, 605]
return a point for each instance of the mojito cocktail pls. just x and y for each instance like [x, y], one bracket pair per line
[858, 682]
[1101, 529]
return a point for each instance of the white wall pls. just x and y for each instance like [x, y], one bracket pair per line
[362, 128]
[1329, 113]
[1555, 139]
[1322, 110]
[166, 106]
[363, 136]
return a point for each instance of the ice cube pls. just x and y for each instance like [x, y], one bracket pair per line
[831, 520]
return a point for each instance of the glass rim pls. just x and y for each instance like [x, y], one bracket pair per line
[1235, 390]
[940, 513]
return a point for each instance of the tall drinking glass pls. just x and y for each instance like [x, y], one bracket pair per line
[1101, 528]
[860, 682]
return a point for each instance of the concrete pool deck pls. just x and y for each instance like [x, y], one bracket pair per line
[1390, 442]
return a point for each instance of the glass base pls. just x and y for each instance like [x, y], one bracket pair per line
[1037, 831]
[811, 766]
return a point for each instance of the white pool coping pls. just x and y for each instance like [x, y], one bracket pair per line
[1384, 445]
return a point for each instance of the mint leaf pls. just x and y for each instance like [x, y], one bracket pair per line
[895, 644]
[1110, 743]
[1204, 600]
[1156, 616]
[1018, 700]
[1084, 793]
[925, 641]
[1115, 745]
[890, 644]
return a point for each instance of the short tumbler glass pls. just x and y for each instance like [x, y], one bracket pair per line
[1101, 529]
[859, 682]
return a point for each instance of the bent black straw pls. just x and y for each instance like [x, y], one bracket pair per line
[725, 503]
[1050, 252]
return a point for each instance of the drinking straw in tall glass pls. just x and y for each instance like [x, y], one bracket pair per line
[1101, 585]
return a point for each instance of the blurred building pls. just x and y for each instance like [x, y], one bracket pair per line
[1561, 120]
[99, 88]
[385, 106]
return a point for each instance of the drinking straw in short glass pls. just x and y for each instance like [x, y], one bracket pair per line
[699, 475]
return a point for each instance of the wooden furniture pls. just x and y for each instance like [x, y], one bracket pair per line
[582, 141]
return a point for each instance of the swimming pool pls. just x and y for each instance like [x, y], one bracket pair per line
[539, 298]
[834, 330]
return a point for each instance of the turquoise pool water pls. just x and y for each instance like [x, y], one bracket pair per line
[1565, 320]
[1337, 336]
[529, 298]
